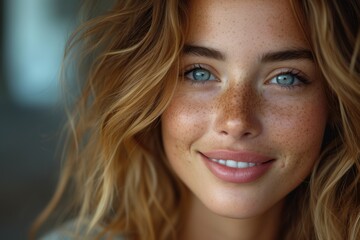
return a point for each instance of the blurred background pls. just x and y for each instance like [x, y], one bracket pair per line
[32, 38]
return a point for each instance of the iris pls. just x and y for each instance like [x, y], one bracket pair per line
[201, 74]
[285, 79]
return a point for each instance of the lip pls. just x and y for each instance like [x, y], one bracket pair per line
[237, 175]
[239, 156]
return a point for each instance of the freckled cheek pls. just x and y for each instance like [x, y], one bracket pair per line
[183, 122]
[298, 128]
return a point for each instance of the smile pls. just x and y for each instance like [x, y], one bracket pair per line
[237, 166]
[233, 163]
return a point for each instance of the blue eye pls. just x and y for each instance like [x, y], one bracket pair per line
[285, 79]
[288, 79]
[199, 74]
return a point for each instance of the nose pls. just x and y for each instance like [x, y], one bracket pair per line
[238, 111]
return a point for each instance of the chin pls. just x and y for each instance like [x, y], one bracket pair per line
[238, 208]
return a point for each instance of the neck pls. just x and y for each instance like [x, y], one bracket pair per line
[201, 223]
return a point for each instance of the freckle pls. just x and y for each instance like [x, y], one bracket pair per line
[177, 146]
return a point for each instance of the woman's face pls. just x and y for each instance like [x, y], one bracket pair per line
[246, 123]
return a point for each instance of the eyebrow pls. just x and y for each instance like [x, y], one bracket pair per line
[203, 52]
[290, 54]
[276, 56]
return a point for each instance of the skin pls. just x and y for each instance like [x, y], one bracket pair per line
[243, 108]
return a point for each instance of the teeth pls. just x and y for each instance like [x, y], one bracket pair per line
[223, 162]
[233, 164]
[242, 165]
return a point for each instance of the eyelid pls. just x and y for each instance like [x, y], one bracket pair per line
[198, 65]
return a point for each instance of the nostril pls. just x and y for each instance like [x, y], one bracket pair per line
[224, 133]
[247, 133]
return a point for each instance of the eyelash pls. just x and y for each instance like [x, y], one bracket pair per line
[294, 73]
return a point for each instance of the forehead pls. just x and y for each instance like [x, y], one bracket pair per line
[259, 23]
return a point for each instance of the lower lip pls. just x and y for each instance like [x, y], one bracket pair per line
[237, 175]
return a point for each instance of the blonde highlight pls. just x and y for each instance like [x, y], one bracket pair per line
[118, 112]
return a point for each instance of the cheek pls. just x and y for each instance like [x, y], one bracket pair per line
[298, 130]
[297, 125]
[183, 122]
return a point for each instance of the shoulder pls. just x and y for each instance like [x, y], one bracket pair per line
[67, 232]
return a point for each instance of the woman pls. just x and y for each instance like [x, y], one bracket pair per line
[216, 120]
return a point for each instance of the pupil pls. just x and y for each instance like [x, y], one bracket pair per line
[286, 79]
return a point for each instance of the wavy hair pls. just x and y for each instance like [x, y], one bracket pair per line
[327, 207]
[116, 172]
[114, 166]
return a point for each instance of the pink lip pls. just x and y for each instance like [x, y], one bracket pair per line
[237, 175]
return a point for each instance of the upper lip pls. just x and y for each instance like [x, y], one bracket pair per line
[239, 156]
